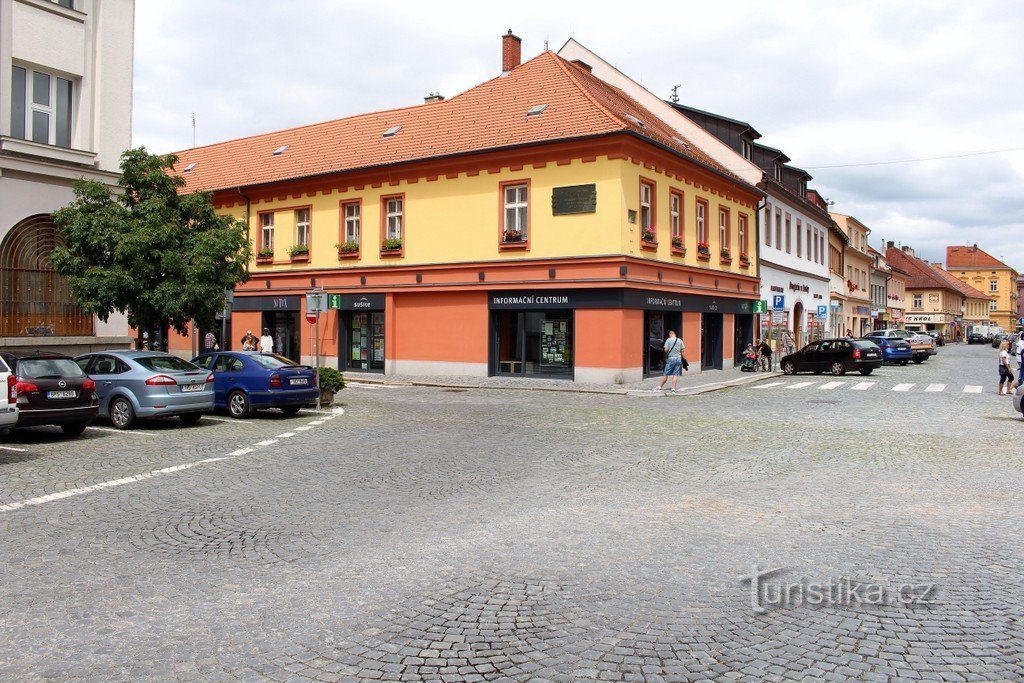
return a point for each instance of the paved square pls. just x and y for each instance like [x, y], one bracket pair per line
[466, 535]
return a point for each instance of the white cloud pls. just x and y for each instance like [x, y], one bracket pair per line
[827, 83]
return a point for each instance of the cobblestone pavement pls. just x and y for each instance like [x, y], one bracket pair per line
[482, 535]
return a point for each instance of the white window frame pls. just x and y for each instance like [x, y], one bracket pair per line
[646, 214]
[517, 208]
[394, 216]
[702, 225]
[352, 221]
[741, 232]
[723, 227]
[675, 213]
[993, 286]
[918, 301]
[49, 109]
[302, 232]
[993, 305]
[266, 231]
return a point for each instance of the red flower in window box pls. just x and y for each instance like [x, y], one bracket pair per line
[648, 235]
[850, 285]
[726, 254]
[677, 244]
[704, 249]
[512, 236]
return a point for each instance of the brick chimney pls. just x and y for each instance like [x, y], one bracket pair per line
[511, 51]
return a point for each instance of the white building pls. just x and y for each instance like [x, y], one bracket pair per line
[793, 231]
[65, 114]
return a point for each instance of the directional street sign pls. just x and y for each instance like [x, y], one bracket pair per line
[761, 306]
[822, 312]
[316, 302]
[778, 302]
[778, 317]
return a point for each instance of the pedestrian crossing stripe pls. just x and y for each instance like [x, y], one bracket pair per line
[831, 385]
[768, 385]
[902, 387]
[935, 387]
[972, 389]
[799, 385]
[864, 386]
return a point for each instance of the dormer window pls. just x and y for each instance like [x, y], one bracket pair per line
[778, 171]
[747, 149]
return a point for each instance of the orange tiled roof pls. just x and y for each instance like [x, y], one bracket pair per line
[489, 116]
[923, 275]
[971, 257]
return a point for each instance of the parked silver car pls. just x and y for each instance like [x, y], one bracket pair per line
[134, 384]
[8, 398]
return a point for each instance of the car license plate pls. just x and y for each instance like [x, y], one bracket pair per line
[62, 394]
[300, 380]
[192, 387]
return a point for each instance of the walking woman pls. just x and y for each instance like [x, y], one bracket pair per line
[1005, 372]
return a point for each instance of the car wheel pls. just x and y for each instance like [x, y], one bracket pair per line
[122, 414]
[190, 418]
[74, 429]
[291, 411]
[838, 368]
[788, 368]
[238, 405]
[866, 371]
[918, 361]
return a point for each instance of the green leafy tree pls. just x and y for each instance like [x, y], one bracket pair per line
[147, 250]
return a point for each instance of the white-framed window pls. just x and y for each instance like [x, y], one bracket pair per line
[516, 204]
[768, 225]
[992, 305]
[723, 228]
[702, 221]
[778, 171]
[675, 213]
[799, 238]
[646, 198]
[394, 215]
[352, 218]
[917, 301]
[747, 149]
[41, 107]
[302, 227]
[266, 231]
[993, 286]
[741, 232]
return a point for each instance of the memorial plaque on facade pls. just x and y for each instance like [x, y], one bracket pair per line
[574, 199]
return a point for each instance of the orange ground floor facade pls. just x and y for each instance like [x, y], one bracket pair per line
[600, 320]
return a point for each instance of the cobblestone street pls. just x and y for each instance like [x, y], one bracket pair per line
[468, 535]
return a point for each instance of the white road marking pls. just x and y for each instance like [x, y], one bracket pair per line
[104, 485]
[217, 419]
[863, 386]
[767, 385]
[286, 435]
[972, 389]
[22, 450]
[936, 387]
[317, 422]
[831, 385]
[303, 428]
[902, 387]
[799, 385]
[268, 442]
[126, 432]
[241, 451]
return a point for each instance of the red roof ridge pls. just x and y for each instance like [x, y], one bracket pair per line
[564, 65]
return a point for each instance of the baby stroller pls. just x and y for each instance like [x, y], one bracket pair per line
[749, 363]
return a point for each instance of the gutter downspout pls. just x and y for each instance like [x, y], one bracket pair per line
[757, 254]
[248, 227]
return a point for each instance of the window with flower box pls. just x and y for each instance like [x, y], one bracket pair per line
[302, 228]
[675, 219]
[703, 248]
[351, 216]
[723, 232]
[393, 224]
[266, 249]
[648, 227]
[515, 213]
[741, 235]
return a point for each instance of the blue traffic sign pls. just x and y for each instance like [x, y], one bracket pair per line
[778, 302]
[822, 312]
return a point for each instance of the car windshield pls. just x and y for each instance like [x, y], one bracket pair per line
[48, 368]
[166, 364]
[863, 344]
[272, 361]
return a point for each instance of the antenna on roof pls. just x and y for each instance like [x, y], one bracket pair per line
[675, 93]
[545, 45]
[193, 129]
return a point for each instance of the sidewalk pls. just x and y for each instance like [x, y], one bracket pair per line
[690, 383]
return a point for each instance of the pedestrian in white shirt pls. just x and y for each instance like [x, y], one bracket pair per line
[266, 342]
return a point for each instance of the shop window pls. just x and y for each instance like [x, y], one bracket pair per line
[302, 227]
[365, 341]
[41, 107]
[534, 343]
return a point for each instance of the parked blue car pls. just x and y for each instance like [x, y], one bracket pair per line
[246, 381]
[894, 350]
[134, 384]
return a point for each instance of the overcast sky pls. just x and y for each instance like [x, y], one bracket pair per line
[827, 83]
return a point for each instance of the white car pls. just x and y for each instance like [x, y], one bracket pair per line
[8, 399]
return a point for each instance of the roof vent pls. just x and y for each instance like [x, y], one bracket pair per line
[390, 132]
[679, 140]
[190, 167]
[280, 150]
[434, 97]
[537, 109]
[635, 120]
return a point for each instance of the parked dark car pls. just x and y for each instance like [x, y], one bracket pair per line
[894, 349]
[134, 384]
[975, 338]
[837, 356]
[246, 381]
[997, 339]
[52, 390]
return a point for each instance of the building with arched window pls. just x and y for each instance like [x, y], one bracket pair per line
[65, 114]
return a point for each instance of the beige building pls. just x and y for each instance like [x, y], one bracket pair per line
[996, 280]
[857, 271]
[935, 300]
